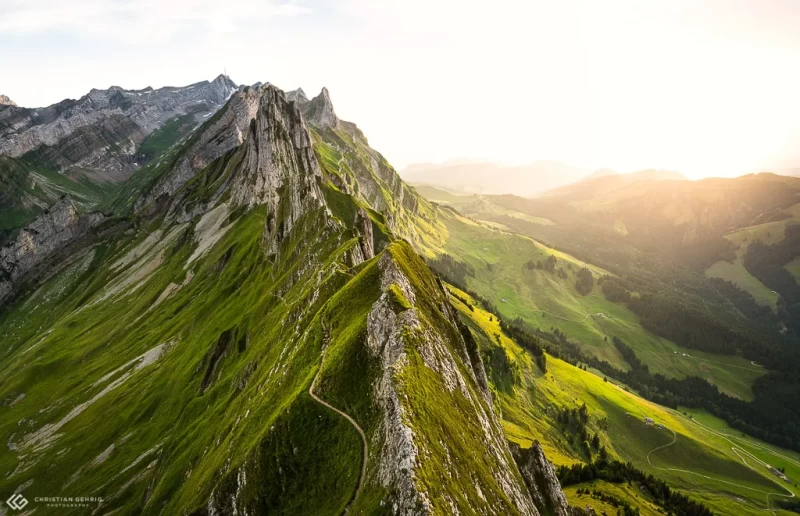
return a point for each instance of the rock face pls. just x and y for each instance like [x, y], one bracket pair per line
[279, 168]
[5, 101]
[49, 233]
[264, 148]
[227, 131]
[319, 110]
[393, 334]
[297, 95]
[540, 477]
[101, 130]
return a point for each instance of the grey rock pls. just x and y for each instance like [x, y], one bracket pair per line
[49, 233]
[297, 95]
[540, 477]
[226, 133]
[101, 130]
[404, 451]
[319, 111]
[280, 168]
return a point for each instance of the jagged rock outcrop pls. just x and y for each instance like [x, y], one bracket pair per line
[50, 232]
[392, 334]
[279, 168]
[363, 224]
[101, 130]
[540, 477]
[319, 111]
[276, 166]
[226, 132]
[5, 101]
[297, 95]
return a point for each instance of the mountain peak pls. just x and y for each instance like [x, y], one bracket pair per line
[297, 95]
[5, 101]
[225, 80]
[320, 110]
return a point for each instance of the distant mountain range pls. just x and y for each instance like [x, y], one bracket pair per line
[532, 180]
[492, 179]
[85, 148]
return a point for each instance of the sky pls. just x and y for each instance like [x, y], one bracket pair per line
[708, 88]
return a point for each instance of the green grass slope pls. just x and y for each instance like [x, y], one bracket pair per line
[542, 299]
[734, 271]
[691, 452]
[113, 369]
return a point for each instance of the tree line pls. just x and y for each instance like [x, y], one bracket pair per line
[618, 472]
[774, 415]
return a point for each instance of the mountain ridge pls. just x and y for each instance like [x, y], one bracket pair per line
[239, 245]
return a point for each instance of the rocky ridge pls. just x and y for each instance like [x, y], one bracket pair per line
[256, 159]
[54, 230]
[101, 130]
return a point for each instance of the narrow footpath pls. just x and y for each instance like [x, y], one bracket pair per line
[326, 338]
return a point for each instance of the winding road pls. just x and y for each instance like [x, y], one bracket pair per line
[734, 449]
[326, 338]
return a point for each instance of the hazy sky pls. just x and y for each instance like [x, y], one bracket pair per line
[705, 87]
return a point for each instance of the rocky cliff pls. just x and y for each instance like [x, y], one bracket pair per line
[85, 148]
[53, 231]
[25, 129]
[540, 477]
[5, 101]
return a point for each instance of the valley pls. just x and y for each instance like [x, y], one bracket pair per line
[691, 449]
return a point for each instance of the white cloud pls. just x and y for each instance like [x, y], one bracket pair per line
[139, 21]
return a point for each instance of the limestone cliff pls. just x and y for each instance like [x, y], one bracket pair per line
[540, 477]
[54, 230]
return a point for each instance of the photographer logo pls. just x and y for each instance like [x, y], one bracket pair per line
[17, 502]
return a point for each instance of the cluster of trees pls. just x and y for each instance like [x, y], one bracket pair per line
[693, 328]
[686, 327]
[505, 373]
[618, 472]
[548, 265]
[448, 267]
[774, 416]
[766, 262]
[625, 509]
[532, 343]
[613, 289]
[573, 422]
[585, 281]
[629, 355]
